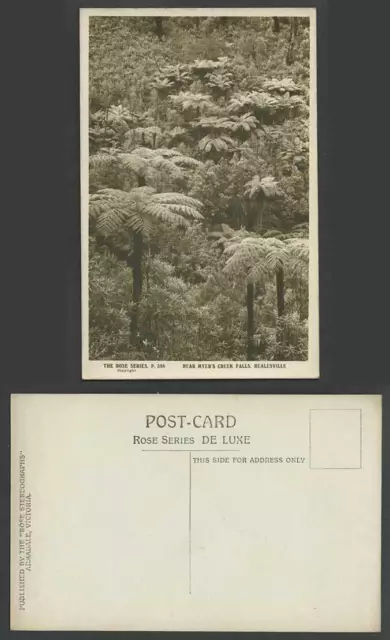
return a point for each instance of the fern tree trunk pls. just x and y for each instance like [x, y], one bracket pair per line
[280, 290]
[280, 306]
[136, 267]
[137, 287]
[159, 28]
[250, 295]
[293, 34]
[250, 298]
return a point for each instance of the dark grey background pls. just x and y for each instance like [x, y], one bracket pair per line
[40, 221]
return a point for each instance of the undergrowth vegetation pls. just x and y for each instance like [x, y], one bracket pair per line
[199, 182]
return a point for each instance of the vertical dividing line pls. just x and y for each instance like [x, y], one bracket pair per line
[361, 439]
[189, 526]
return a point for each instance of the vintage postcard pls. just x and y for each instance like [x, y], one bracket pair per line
[199, 193]
[196, 513]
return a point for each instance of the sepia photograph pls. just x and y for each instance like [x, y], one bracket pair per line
[199, 193]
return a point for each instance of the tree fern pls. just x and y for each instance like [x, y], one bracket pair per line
[266, 186]
[146, 135]
[251, 100]
[274, 233]
[119, 113]
[176, 135]
[284, 85]
[197, 101]
[254, 256]
[143, 161]
[212, 123]
[113, 209]
[299, 254]
[267, 107]
[174, 75]
[178, 199]
[202, 67]
[220, 81]
[161, 84]
[104, 159]
[276, 253]
[300, 230]
[182, 161]
[216, 143]
[246, 122]
[135, 211]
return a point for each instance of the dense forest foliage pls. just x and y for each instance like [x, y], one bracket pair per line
[199, 183]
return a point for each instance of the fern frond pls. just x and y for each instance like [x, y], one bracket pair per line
[257, 272]
[220, 79]
[247, 122]
[266, 186]
[241, 261]
[178, 74]
[253, 257]
[119, 113]
[219, 143]
[169, 153]
[186, 211]
[226, 229]
[143, 191]
[253, 100]
[179, 203]
[142, 159]
[165, 213]
[115, 210]
[274, 233]
[187, 100]
[244, 250]
[298, 248]
[186, 162]
[133, 162]
[276, 253]
[204, 65]
[230, 246]
[161, 83]
[285, 85]
[166, 165]
[146, 134]
[212, 122]
[177, 133]
[103, 159]
[97, 116]
[269, 186]
[300, 230]
[205, 142]
[144, 152]
[173, 197]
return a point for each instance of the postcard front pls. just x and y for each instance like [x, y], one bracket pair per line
[214, 513]
[199, 193]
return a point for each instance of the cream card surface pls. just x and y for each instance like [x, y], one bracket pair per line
[195, 512]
